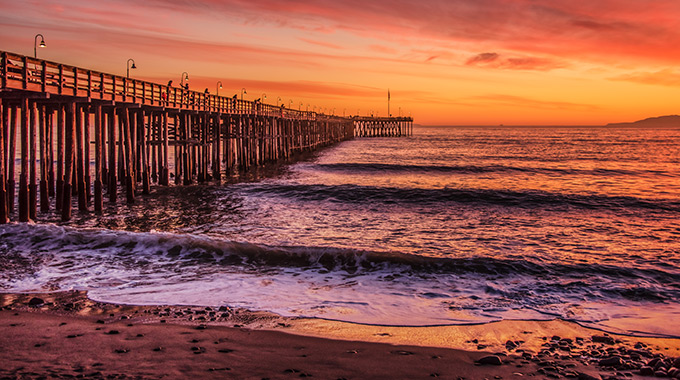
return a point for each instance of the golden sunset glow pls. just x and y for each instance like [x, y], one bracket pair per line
[445, 62]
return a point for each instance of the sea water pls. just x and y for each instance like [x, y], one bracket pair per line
[453, 225]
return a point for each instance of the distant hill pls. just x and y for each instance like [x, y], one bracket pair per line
[661, 121]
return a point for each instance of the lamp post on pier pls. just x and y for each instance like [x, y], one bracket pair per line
[35, 44]
[130, 67]
[300, 106]
[219, 86]
[264, 97]
[243, 91]
[290, 104]
[185, 75]
[278, 100]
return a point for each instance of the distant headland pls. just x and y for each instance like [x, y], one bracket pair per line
[660, 121]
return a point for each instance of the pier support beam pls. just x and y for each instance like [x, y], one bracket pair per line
[23, 176]
[4, 214]
[69, 146]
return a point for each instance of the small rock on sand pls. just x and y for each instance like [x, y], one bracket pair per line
[35, 301]
[490, 360]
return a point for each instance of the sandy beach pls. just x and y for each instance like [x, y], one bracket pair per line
[67, 335]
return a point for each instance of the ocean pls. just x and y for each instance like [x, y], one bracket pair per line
[454, 225]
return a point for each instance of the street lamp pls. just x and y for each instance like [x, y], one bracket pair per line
[219, 86]
[300, 106]
[185, 75]
[130, 67]
[278, 100]
[290, 104]
[264, 96]
[243, 91]
[307, 107]
[35, 44]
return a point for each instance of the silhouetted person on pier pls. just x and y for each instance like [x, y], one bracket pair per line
[170, 83]
[206, 91]
[186, 86]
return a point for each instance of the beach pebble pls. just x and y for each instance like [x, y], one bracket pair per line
[603, 339]
[490, 360]
[585, 376]
[35, 301]
[647, 371]
[612, 361]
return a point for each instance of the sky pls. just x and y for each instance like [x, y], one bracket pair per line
[444, 62]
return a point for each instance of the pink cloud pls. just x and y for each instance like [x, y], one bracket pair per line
[603, 30]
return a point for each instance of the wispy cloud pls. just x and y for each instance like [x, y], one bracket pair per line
[523, 102]
[666, 77]
[495, 60]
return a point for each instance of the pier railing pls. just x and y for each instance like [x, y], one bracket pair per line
[37, 75]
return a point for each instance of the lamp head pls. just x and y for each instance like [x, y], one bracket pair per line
[133, 66]
[42, 43]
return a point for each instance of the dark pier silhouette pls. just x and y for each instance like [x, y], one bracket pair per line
[133, 130]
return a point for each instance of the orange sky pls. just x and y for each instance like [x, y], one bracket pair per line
[481, 62]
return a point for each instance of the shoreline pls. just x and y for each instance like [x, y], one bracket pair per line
[67, 334]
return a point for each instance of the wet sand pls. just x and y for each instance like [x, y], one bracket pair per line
[67, 335]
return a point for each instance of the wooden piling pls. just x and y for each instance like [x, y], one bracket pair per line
[86, 155]
[23, 176]
[32, 182]
[166, 160]
[144, 160]
[98, 146]
[69, 154]
[49, 147]
[79, 178]
[4, 126]
[128, 169]
[44, 194]
[112, 185]
[61, 127]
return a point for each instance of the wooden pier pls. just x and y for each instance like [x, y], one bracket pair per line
[116, 133]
